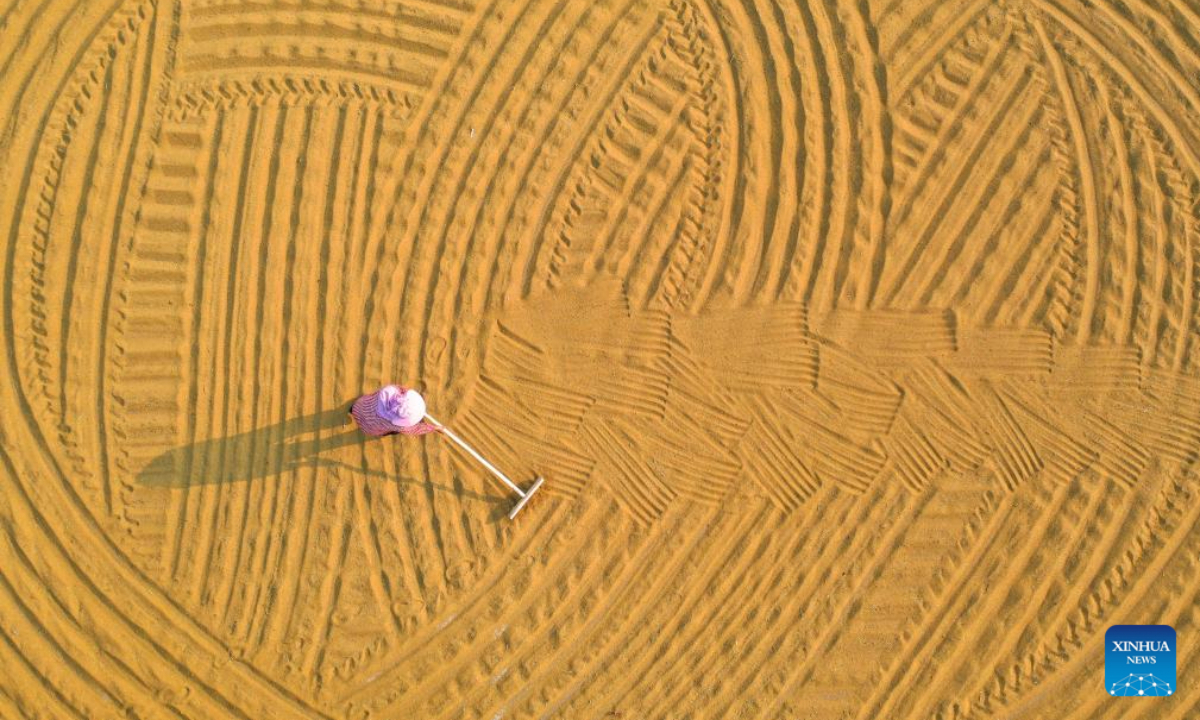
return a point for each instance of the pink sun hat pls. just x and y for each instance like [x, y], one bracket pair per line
[403, 407]
[391, 409]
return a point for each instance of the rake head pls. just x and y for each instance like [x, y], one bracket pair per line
[525, 498]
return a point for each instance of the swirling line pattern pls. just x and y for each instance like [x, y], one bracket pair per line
[856, 341]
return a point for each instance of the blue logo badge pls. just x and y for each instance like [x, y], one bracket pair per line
[1139, 660]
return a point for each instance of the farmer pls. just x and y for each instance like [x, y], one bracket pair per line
[396, 409]
[391, 409]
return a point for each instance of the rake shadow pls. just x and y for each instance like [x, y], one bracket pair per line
[276, 449]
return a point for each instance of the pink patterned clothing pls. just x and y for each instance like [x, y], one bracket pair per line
[371, 413]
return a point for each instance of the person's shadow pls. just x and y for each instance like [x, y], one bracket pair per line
[274, 450]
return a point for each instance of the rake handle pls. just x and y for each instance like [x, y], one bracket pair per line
[462, 444]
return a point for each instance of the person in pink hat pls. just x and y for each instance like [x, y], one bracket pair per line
[392, 409]
[396, 409]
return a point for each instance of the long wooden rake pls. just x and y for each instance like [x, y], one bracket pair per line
[523, 495]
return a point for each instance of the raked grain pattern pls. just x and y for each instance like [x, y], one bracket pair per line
[857, 342]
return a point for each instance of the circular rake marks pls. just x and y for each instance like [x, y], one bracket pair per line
[775, 651]
[1034, 595]
[231, 218]
[82, 524]
[1166, 540]
[1068, 615]
[613, 588]
[479, 609]
[445, 297]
